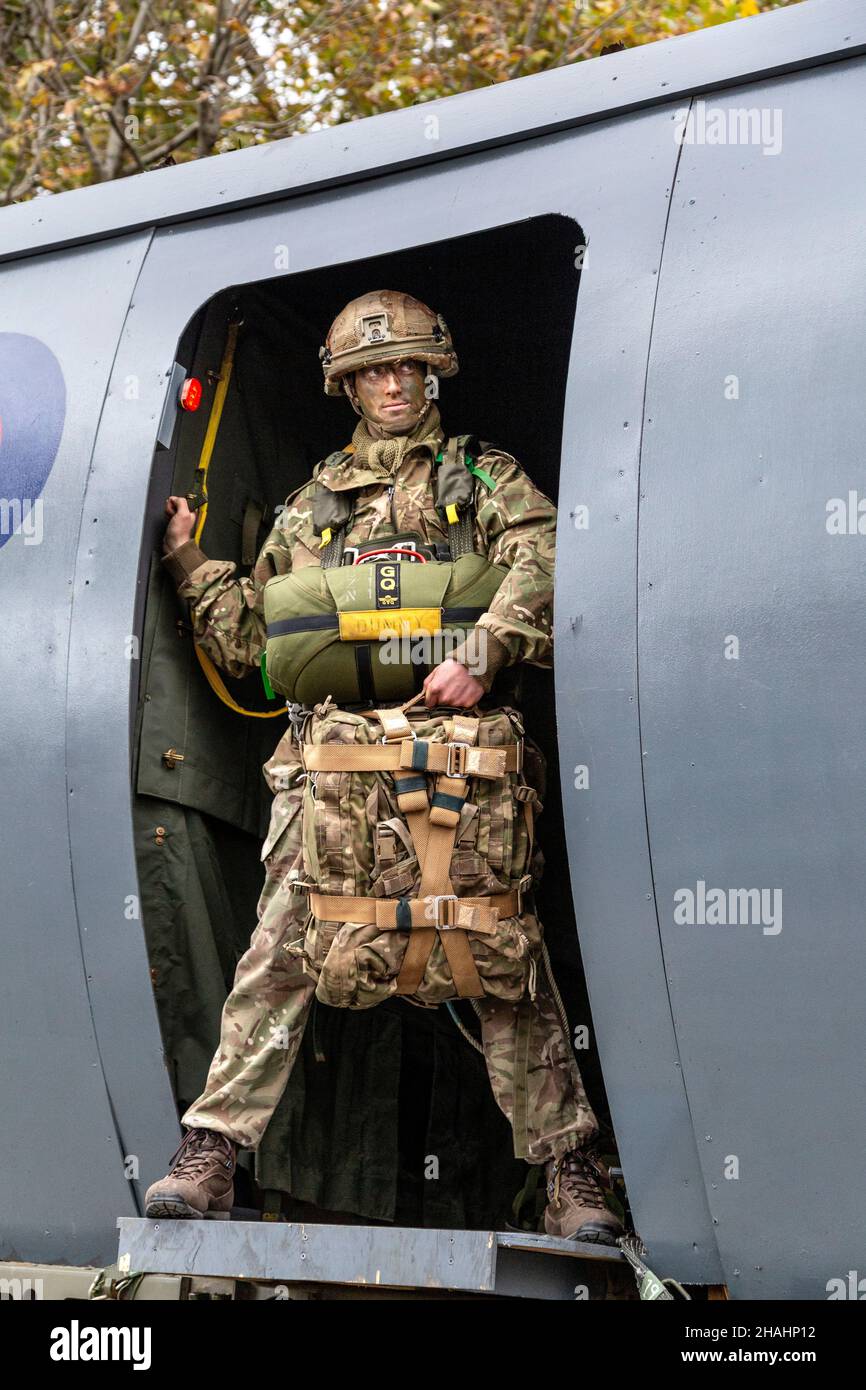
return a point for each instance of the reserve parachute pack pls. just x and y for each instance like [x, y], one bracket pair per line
[418, 830]
[371, 621]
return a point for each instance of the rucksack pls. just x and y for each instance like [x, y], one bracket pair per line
[418, 841]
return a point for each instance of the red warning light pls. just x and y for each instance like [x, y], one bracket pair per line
[190, 394]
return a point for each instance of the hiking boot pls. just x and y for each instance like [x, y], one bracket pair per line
[200, 1179]
[576, 1209]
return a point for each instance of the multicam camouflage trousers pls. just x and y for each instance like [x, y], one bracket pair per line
[530, 1062]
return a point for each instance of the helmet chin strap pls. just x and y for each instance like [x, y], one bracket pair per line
[374, 425]
[349, 387]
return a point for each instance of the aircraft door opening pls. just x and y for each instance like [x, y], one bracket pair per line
[509, 296]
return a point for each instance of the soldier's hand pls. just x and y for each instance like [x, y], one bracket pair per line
[451, 684]
[181, 523]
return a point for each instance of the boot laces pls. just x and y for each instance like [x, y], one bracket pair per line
[198, 1151]
[580, 1175]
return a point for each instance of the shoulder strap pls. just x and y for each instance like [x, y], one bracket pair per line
[332, 512]
[456, 490]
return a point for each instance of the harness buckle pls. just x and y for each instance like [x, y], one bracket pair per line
[455, 765]
[433, 909]
[398, 738]
[524, 887]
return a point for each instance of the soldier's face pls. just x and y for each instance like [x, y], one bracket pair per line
[392, 393]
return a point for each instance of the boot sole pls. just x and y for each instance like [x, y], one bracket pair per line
[596, 1235]
[176, 1209]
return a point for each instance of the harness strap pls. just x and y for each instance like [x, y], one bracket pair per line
[455, 494]
[445, 811]
[394, 723]
[332, 512]
[461, 535]
[433, 826]
[527, 797]
[435, 862]
[334, 543]
[411, 788]
[415, 755]
[433, 835]
[442, 912]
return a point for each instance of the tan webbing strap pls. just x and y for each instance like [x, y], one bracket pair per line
[436, 883]
[413, 804]
[414, 755]
[469, 914]
[411, 788]
[519, 1117]
[433, 829]
[394, 723]
[435, 861]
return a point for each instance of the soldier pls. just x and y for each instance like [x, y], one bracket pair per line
[382, 351]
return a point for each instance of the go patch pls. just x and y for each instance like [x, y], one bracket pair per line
[388, 584]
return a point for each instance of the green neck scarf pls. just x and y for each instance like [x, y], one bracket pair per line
[383, 452]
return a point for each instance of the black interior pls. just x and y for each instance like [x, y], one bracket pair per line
[509, 297]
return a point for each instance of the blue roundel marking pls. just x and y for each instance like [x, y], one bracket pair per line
[32, 411]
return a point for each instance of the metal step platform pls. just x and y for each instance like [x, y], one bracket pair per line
[298, 1256]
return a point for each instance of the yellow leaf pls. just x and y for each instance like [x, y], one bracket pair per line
[97, 87]
[33, 70]
[748, 7]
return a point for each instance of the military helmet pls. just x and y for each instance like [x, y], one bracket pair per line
[380, 327]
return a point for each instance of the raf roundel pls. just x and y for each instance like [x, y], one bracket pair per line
[32, 412]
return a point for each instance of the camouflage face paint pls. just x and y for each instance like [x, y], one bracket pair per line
[391, 394]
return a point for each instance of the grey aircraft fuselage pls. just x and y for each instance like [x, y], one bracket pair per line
[710, 627]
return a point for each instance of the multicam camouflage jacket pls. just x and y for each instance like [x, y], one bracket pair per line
[515, 527]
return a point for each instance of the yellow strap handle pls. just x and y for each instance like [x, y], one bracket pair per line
[213, 424]
[212, 676]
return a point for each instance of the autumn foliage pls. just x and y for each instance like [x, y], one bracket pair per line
[95, 91]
